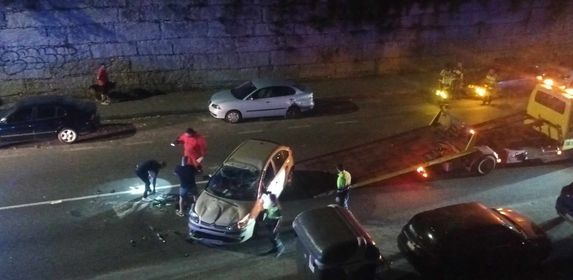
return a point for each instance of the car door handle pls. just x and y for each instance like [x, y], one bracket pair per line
[268, 102]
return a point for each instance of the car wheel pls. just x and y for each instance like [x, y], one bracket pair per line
[233, 116]
[484, 165]
[67, 135]
[293, 112]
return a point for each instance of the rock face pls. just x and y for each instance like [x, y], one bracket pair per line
[56, 46]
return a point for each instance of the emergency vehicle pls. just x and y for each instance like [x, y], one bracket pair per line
[541, 133]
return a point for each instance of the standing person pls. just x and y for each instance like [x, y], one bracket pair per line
[458, 84]
[147, 171]
[102, 82]
[271, 219]
[194, 148]
[186, 174]
[490, 82]
[446, 78]
[343, 182]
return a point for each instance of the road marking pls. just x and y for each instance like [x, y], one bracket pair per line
[139, 143]
[346, 122]
[298, 126]
[60, 201]
[251, 131]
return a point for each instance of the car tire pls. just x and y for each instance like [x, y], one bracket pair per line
[484, 165]
[233, 116]
[67, 135]
[293, 112]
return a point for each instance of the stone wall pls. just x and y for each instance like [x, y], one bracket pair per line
[56, 45]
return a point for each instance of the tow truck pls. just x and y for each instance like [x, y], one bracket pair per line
[542, 133]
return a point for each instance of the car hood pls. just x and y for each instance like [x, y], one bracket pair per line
[222, 97]
[223, 212]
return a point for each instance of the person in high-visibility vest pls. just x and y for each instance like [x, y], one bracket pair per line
[343, 182]
[271, 219]
[446, 78]
[490, 82]
[458, 82]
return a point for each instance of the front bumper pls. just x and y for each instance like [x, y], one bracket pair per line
[216, 113]
[219, 235]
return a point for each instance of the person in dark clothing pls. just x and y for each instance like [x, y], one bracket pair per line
[271, 219]
[147, 171]
[188, 187]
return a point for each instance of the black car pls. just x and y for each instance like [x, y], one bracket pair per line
[564, 203]
[472, 239]
[45, 117]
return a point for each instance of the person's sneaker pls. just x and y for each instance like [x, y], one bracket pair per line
[107, 102]
[179, 213]
[146, 199]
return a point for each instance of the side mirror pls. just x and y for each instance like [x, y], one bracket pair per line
[3, 120]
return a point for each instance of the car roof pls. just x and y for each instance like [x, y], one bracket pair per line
[457, 218]
[253, 152]
[259, 83]
[47, 99]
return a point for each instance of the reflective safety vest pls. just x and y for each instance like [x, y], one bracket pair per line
[491, 80]
[344, 180]
[273, 212]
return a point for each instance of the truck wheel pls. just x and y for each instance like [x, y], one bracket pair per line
[484, 165]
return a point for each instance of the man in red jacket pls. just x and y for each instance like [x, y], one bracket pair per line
[194, 148]
[102, 83]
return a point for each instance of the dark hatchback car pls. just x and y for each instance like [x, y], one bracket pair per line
[472, 240]
[45, 117]
[564, 203]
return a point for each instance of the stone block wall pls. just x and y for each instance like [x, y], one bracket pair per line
[49, 46]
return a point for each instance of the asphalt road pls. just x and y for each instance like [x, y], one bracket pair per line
[74, 212]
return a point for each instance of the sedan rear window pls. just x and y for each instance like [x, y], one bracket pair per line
[235, 183]
[243, 90]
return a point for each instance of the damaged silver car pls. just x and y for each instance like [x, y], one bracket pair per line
[226, 212]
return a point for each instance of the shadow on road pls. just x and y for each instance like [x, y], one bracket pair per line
[133, 94]
[110, 131]
[308, 184]
[325, 106]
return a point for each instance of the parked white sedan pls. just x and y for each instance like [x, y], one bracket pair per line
[261, 98]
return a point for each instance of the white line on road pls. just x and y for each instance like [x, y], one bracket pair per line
[346, 122]
[251, 131]
[138, 143]
[59, 201]
[299, 126]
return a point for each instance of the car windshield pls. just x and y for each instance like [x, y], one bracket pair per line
[243, 90]
[235, 181]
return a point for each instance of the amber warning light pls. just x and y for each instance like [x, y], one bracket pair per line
[422, 171]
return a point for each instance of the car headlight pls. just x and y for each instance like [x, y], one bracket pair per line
[240, 225]
[216, 106]
[193, 216]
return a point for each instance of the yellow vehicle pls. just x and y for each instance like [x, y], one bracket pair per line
[543, 132]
